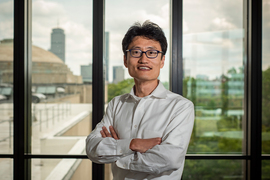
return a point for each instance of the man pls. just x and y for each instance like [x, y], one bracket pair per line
[145, 133]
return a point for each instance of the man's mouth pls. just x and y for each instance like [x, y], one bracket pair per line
[144, 68]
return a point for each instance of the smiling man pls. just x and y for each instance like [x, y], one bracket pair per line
[145, 133]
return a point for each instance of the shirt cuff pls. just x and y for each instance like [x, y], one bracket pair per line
[124, 162]
[123, 147]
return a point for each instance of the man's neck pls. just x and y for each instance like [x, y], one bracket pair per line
[143, 89]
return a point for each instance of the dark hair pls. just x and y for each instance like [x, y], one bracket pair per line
[149, 30]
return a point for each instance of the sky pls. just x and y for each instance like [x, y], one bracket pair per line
[213, 31]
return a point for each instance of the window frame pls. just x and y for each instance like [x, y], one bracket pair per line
[252, 19]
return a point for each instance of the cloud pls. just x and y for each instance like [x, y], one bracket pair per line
[45, 9]
[46, 14]
[75, 17]
[6, 9]
[6, 20]
[221, 24]
[118, 18]
[213, 15]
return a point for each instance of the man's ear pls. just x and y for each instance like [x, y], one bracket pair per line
[162, 61]
[125, 61]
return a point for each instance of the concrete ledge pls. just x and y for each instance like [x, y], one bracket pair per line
[66, 167]
[66, 125]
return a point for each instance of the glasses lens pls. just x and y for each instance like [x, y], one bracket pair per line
[152, 53]
[136, 52]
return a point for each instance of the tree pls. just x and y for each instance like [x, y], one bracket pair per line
[120, 88]
[266, 99]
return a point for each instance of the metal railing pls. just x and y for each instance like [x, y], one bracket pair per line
[10, 121]
[51, 113]
[43, 114]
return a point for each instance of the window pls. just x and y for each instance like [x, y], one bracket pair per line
[265, 88]
[6, 88]
[46, 109]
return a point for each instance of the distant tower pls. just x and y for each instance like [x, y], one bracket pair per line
[86, 73]
[106, 55]
[118, 74]
[58, 43]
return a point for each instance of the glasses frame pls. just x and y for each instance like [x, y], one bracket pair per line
[129, 50]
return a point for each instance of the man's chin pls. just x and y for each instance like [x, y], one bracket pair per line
[144, 79]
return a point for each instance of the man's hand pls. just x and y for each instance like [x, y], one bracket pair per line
[105, 133]
[142, 145]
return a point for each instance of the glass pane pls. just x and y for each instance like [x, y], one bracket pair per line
[266, 78]
[116, 25]
[213, 169]
[213, 37]
[119, 16]
[6, 78]
[6, 168]
[58, 169]
[61, 89]
[265, 169]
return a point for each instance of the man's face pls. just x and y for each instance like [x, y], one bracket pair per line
[144, 69]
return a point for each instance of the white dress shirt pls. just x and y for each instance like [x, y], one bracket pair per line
[161, 114]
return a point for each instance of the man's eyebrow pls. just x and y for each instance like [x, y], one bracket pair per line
[138, 47]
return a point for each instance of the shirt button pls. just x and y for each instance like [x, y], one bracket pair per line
[135, 126]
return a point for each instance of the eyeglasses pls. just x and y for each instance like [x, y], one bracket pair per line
[149, 53]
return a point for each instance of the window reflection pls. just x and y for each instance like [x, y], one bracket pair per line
[213, 169]
[214, 75]
[266, 79]
[116, 25]
[54, 169]
[6, 81]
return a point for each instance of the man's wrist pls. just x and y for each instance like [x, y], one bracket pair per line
[131, 145]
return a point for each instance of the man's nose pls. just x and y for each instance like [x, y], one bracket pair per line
[143, 58]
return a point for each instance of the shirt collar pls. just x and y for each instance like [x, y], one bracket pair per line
[159, 92]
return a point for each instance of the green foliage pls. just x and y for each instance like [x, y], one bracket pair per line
[230, 145]
[120, 88]
[266, 111]
[212, 169]
[166, 85]
[224, 94]
[266, 99]
[265, 169]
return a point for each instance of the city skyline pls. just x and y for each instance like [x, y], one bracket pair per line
[78, 28]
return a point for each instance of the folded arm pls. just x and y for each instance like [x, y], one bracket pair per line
[108, 149]
[170, 154]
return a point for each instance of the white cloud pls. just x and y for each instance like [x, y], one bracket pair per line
[6, 9]
[6, 20]
[221, 23]
[46, 9]
[46, 14]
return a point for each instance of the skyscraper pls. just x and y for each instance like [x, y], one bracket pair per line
[86, 73]
[58, 43]
[118, 74]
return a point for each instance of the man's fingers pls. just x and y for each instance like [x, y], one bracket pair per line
[114, 135]
[102, 134]
[142, 145]
[106, 132]
[158, 140]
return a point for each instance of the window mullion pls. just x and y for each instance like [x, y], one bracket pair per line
[176, 76]
[98, 75]
[22, 88]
